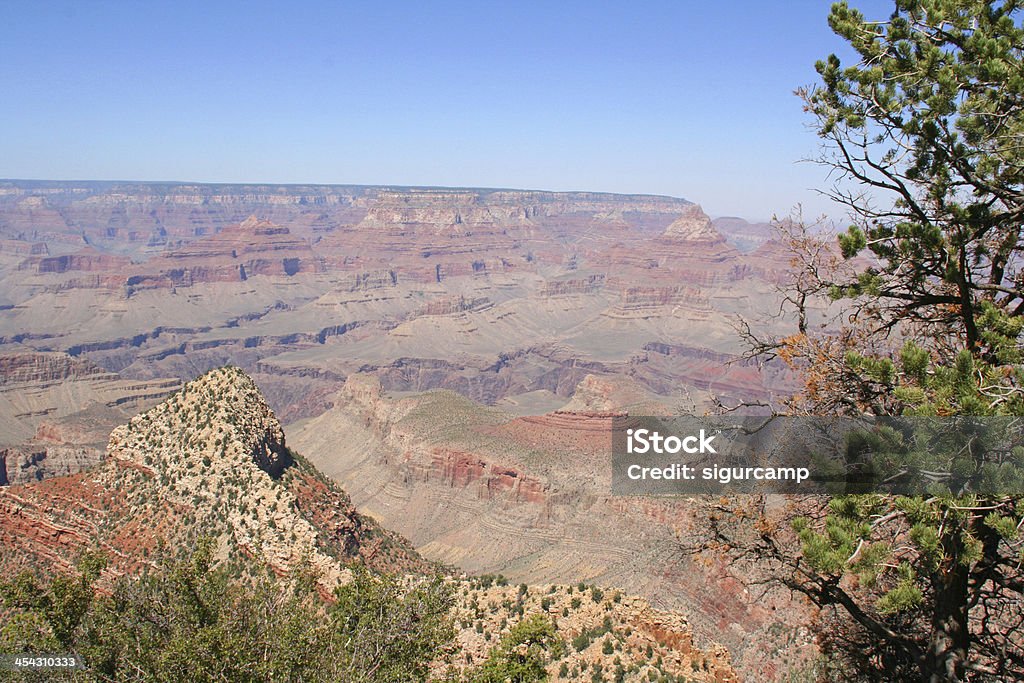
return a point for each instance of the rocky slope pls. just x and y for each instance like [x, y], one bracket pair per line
[607, 633]
[529, 497]
[212, 461]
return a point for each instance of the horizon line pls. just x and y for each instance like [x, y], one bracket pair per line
[375, 186]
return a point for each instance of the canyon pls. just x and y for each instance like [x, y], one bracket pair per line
[491, 293]
[211, 462]
[449, 357]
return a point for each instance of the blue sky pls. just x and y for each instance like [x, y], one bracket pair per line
[692, 99]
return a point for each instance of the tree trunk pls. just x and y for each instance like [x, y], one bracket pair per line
[945, 660]
[966, 300]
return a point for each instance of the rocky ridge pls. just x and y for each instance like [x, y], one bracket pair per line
[212, 461]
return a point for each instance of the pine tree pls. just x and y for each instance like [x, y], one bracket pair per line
[924, 134]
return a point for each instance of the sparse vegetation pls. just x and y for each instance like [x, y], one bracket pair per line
[188, 620]
[522, 655]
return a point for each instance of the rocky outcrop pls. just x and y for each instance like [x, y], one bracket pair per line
[693, 226]
[450, 305]
[215, 440]
[87, 260]
[34, 367]
[647, 302]
[688, 251]
[38, 461]
[610, 396]
[211, 460]
[445, 211]
[638, 298]
[368, 280]
[488, 480]
[587, 285]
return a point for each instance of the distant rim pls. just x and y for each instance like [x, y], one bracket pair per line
[28, 183]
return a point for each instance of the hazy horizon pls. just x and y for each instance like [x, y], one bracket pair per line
[676, 99]
[185, 183]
